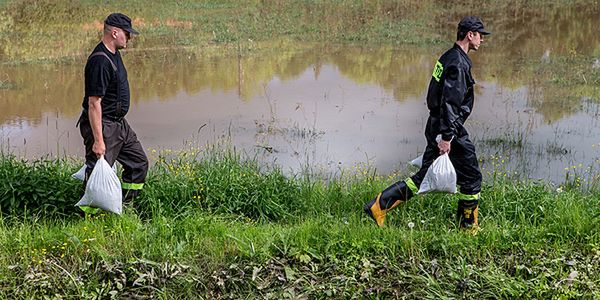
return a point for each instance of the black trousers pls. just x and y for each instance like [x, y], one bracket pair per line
[462, 155]
[122, 145]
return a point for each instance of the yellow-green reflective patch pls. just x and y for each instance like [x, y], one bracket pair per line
[437, 71]
[462, 196]
[411, 185]
[132, 186]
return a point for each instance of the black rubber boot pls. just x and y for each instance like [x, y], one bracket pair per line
[129, 195]
[467, 214]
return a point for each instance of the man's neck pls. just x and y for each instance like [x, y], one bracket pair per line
[109, 45]
[464, 45]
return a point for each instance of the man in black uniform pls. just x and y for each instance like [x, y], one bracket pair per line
[102, 124]
[450, 102]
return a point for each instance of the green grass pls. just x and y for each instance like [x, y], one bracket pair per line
[214, 224]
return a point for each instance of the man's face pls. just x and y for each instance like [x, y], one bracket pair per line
[475, 40]
[121, 37]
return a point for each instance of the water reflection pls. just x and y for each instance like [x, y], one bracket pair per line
[37, 89]
[548, 30]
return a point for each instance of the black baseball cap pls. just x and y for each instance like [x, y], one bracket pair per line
[121, 21]
[472, 23]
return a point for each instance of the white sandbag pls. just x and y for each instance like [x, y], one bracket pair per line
[103, 189]
[80, 175]
[440, 177]
[417, 162]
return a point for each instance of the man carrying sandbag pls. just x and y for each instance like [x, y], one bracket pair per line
[450, 102]
[102, 123]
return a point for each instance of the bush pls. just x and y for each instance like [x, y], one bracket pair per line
[42, 187]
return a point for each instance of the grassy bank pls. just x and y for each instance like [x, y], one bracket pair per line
[218, 226]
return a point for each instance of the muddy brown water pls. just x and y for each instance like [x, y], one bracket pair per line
[332, 108]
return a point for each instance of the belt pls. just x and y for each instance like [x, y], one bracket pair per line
[84, 114]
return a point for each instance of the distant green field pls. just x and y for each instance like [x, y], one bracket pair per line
[34, 30]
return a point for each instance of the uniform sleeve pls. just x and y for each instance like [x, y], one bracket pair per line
[453, 93]
[97, 76]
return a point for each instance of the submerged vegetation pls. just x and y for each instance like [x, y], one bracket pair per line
[222, 226]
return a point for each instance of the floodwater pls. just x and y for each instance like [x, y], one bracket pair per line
[332, 108]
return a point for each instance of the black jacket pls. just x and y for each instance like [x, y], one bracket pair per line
[450, 94]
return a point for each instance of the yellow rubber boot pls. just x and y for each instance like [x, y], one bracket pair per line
[374, 210]
[388, 199]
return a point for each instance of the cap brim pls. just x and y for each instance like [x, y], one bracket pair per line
[131, 30]
[484, 32]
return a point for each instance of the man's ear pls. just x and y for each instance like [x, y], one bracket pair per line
[470, 35]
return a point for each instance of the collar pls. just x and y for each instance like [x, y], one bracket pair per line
[105, 49]
[463, 54]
